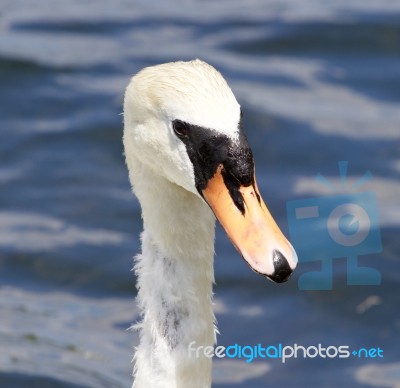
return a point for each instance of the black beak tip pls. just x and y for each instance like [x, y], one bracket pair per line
[282, 268]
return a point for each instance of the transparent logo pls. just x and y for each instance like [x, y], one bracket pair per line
[344, 224]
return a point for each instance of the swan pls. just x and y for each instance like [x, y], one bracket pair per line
[189, 162]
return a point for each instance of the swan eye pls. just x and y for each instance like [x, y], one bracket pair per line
[180, 128]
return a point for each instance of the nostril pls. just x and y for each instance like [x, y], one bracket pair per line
[282, 268]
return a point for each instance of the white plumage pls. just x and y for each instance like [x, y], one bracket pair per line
[175, 269]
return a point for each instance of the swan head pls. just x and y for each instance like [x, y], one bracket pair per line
[182, 120]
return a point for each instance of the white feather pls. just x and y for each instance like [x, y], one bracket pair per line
[175, 269]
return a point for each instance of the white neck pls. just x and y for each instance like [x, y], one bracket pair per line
[175, 277]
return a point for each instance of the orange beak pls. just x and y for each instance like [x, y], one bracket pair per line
[254, 233]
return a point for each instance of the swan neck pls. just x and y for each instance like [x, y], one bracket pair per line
[175, 277]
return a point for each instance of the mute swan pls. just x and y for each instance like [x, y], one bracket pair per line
[188, 160]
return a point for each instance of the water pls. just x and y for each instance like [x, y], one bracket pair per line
[318, 82]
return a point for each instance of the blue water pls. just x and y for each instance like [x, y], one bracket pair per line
[319, 82]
